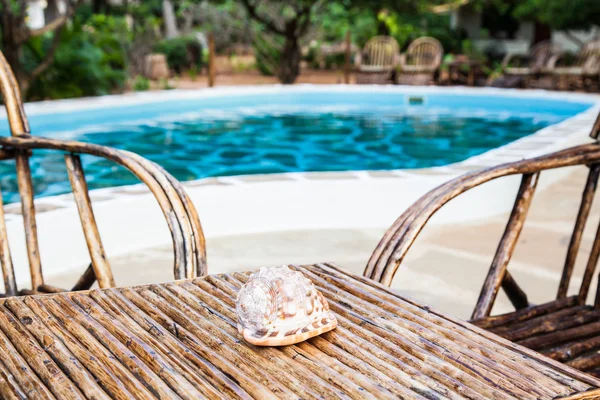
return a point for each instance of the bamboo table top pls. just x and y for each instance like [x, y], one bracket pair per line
[179, 340]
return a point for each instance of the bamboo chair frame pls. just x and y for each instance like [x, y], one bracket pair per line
[533, 62]
[378, 60]
[421, 61]
[584, 71]
[180, 214]
[398, 239]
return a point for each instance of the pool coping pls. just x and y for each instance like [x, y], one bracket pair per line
[246, 204]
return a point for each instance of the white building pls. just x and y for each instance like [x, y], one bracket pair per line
[502, 34]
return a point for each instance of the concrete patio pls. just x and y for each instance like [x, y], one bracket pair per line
[445, 267]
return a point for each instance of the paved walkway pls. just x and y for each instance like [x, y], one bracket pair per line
[316, 77]
[445, 267]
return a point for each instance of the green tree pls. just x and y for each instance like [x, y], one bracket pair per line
[562, 14]
[16, 35]
[287, 22]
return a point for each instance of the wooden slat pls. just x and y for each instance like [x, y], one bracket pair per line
[568, 318]
[447, 348]
[180, 340]
[584, 210]
[8, 273]
[71, 366]
[86, 280]
[590, 395]
[11, 97]
[28, 211]
[516, 295]
[165, 348]
[467, 330]
[8, 387]
[589, 271]
[596, 128]
[100, 264]
[524, 314]
[506, 247]
[45, 288]
[20, 372]
[37, 357]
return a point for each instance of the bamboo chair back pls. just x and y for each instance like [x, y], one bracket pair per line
[425, 52]
[381, 52]
[588, 57]
[180, 214]
[541, 53]
[396, 242]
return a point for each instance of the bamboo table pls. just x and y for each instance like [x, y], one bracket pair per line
[179, 340]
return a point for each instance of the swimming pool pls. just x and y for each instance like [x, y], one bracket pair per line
[288, 131]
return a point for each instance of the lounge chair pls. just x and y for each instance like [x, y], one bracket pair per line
[378, 60]
[421, 61]
[582, 72]
[179, 212]
[567, 328]
[528, 66]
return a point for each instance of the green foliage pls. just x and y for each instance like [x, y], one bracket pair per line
[141, 84]
[182, 52]
[316, 59]
[337, 19]
[561, 14]
[89, 61]
[164, 84]
[193, 72]
[403, 20]
[267, 51]
[239, 64]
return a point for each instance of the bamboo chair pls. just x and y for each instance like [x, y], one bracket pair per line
[582, 72]
[421, 61]
[181, 216]
[530, 65]
[566, 329]
[377, 62]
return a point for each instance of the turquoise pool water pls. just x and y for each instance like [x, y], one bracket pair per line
[198, 140]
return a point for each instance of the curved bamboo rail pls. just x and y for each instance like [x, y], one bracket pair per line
[180, 214]
[397, 240]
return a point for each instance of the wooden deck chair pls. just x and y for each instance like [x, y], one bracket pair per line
[582, 72]
[421, 61]
[529, 66]
[378, 60]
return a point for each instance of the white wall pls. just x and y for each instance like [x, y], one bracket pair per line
[567, 44]
[35, 14]
[470, 21]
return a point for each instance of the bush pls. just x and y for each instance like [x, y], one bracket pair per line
[141, 84]
[182, 53]
[89, 61]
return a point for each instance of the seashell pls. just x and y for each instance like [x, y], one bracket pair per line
[279, 306]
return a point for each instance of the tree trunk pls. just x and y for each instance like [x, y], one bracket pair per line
[289, 63]
[100, 7]
[51, 11]
[169, 20]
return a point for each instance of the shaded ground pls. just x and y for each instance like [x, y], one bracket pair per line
[445, 267]
[255, 78]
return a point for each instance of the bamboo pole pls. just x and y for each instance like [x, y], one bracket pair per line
[211, 60]
[347, 59]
